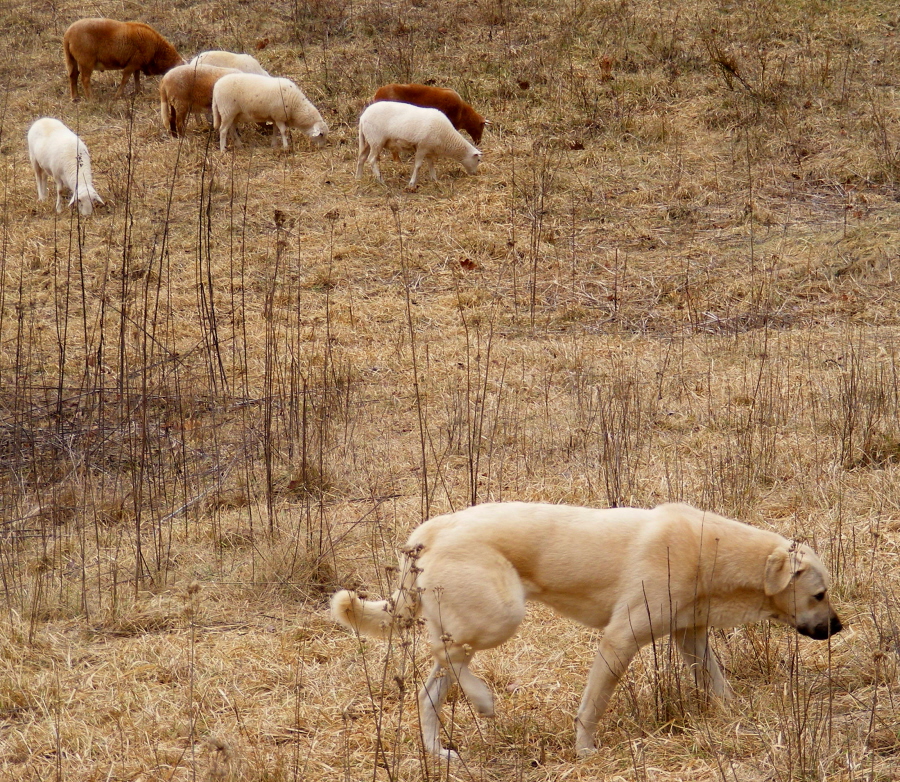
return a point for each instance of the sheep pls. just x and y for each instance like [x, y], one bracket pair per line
[240, 62]
[460, 113]
[187, 88]
[246, 97]
[108, 45]
[56, 150]
[402, 127]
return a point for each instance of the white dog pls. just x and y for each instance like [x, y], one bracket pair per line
[638, 574]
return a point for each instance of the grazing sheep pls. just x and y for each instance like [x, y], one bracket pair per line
[402, 127]
[460, 113]
[108, 45]
[246, 97]
[240, 62]
[57, 151]
[185, 89]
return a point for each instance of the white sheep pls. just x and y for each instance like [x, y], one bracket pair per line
[246, 97]
[186, 89]
[57, 151]
[240, 62]
[402, 127]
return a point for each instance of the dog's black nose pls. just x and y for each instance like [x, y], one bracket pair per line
[823, 631]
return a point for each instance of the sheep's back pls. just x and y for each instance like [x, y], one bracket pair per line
[252, 98]
[240, 62]
[110, 42]
[194, 82]
[390, 120]
[56, 148]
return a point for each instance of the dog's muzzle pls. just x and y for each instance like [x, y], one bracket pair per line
[823, 631]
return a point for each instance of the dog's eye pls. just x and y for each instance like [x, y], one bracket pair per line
[820, 596]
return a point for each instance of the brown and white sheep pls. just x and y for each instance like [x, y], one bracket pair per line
[460, 113]
[109, 45]
[185, 89]
[240, 62]
[402, 127]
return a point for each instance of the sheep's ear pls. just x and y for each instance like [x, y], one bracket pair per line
[96, 199]
[779, 571]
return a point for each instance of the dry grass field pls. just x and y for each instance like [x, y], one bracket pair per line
[242, 382]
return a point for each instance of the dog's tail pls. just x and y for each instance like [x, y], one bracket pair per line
[366, 617]
[380, 618]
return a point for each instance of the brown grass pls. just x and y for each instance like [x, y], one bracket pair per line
[672, 278]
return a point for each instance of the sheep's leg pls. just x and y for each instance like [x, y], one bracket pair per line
[363, 154]
[223, 135]
[415, 173]
[169, 114]
[40, 177]
[179, 119]
[165, 114]
[282, 126]
[58, 197]
[126, 74]
[73, 83]
[431, 169]
[374, 154]
[86, 82]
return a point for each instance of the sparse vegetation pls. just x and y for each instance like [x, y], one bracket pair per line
[244, 380]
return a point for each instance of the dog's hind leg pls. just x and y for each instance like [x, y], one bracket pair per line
[700, 659]
[468, 605]
[434, 693]
[431, 699]
[478, 693]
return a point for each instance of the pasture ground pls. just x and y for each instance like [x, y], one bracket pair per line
[242, 382]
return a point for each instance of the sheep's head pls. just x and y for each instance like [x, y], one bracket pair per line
[478, 129]
[164, 59]
[86, 200]
[318, 134]
[471, 160]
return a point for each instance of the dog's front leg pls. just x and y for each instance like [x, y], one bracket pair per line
[609, 665]
[700, 659]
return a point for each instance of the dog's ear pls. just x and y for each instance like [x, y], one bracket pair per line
[779, 571]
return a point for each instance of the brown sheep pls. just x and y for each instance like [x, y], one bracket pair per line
[108, 45]
[460, 113]
[186, 89]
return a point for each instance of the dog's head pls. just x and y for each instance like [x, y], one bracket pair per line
[796, 583]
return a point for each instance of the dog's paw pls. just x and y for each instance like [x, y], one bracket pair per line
[484, 709]
[583, 753]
